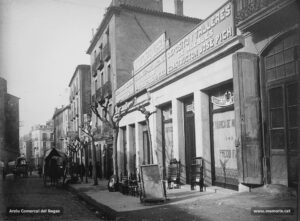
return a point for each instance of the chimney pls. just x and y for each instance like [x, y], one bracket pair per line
[178, 7]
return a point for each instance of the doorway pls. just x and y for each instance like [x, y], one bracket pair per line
[281, 77]
[189, 134]
[224, 159]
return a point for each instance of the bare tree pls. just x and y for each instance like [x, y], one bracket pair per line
[87, 129]
[112, 119]
[147, 114]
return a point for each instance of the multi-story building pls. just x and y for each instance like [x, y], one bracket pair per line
[26, 147]
[227, 92]
[80, 101]
[41, 141]
[128, 28]
[61, 127]
[9, 124]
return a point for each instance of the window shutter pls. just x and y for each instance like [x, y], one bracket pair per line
[247, 113]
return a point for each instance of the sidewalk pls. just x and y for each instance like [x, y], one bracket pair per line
[183, 204]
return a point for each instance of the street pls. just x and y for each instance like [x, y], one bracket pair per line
[30, 193]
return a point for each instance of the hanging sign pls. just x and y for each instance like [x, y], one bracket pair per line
[223, 101]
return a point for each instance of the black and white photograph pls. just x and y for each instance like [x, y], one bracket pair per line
[149, 110]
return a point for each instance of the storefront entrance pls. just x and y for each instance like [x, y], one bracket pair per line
[281, 77]
[224, 160]
[167, 138]
[189, 133]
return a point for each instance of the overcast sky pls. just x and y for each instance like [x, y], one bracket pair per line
[42, 42]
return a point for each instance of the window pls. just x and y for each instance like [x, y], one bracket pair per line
[280, 68]
[280, 61]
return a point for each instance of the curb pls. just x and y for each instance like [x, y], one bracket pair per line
[109, 213]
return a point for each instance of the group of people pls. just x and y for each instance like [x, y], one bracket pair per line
[80, 170]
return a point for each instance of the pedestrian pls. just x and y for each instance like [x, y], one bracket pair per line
[39, 170]
[90, 169]
[82, 169]
[98, 169]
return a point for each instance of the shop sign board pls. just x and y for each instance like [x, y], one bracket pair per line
[224, 144]
[125, 91]
[151, 74]
[154, 50]
[213, 32]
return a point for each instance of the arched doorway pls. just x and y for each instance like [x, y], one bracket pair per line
[280, 68]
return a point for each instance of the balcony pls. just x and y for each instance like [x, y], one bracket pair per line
[93, 98]
[107, 92]
[98, 64]
[106, 52]
[250, 12]
[99, 94]
[103, 133]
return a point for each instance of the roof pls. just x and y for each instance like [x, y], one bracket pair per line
[117, 9]
[60, 110]
[80, 66]
[54, 152]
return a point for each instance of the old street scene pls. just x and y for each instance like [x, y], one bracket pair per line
[149, 110]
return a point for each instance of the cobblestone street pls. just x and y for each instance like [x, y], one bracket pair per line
[31, 193]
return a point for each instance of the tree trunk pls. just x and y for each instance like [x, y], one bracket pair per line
[94, 162]
[115, 151]
[150, 140]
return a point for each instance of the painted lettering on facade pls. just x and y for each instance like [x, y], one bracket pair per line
[154, 50]
[151, 74]
[213, 32]
[125, 91]
[224, 137]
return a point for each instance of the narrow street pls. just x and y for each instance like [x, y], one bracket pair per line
[31, 193]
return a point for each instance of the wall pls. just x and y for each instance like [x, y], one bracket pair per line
[133, 28]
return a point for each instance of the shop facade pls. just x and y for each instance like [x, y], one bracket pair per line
[225, 93]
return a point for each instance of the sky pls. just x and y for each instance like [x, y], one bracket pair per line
[42, 42]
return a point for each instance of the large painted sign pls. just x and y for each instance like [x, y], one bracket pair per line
[224, 146]
[209, 35]
[151, 74]
[154, 50]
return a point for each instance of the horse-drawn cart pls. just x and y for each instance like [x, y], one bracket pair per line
[55, 167]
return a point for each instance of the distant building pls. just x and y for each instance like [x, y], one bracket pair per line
[26, 147]
[127, 29]
[9, 124]
[42, 140]
[61, 127]
[80, 101]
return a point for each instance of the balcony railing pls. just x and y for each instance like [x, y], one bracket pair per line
[255, 8]
[99, 94]
[98, 64]
[103, 132]
[106, 52]
[107, 92]
[104, 91]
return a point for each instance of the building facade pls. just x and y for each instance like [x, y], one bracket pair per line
[26, 147]
[61, 127]
[227, 92]
[80, 101]
[42, 139]
[9, 124]
[127, 29]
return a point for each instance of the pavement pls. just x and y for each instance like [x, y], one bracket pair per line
[215, 203]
